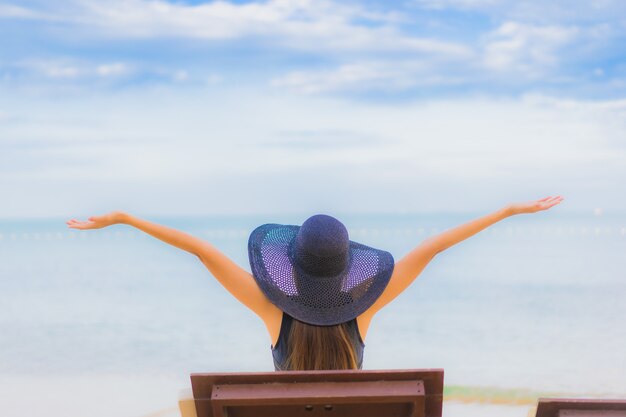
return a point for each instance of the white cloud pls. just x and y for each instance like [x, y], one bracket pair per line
[225, 20]
[535, 11]
[68, 68]
[461, 4]
[315, 25]
[180, 76]
[346, 76]
[526, 49]
[57, 70]
[367, 75]
[376, 56]
[218, 150]
[610, 113]
[213, 79]
[17, 12]
[112, 70]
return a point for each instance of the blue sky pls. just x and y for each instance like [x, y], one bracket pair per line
[191, 107]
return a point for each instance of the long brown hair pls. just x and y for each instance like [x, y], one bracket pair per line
[319, 347]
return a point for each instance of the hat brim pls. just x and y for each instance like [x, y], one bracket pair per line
[313, 299]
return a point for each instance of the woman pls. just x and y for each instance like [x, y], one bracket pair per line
[315, 290]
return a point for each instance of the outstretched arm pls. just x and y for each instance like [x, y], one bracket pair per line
[168, 235]
[236, 280]
[410, 266]
[451, 237]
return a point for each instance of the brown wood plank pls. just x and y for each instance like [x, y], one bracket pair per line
[202, 383]
[551, 407]
[402, 398]
[592, 413]
[340, 410]
[318, 392]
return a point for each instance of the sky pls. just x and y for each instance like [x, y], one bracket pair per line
[305, 106]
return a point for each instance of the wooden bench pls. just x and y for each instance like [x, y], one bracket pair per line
[570, 407]
[389, 393]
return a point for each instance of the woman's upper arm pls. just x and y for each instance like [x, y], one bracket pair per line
[404, 273]
[239, 282]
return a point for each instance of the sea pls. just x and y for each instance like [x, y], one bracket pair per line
[111, 322]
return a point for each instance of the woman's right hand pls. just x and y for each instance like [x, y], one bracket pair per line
[96, 222]
[535, 206]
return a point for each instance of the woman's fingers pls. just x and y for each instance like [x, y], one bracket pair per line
[537, 205]
[552, 202]
[78, 224]
[548, 199]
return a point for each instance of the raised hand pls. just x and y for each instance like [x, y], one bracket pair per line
[96, 222]
[535, 206]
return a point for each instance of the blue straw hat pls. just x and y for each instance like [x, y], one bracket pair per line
[315, 273]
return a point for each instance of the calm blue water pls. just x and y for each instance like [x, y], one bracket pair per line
[536, 301]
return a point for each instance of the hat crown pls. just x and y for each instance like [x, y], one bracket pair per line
[322, 246]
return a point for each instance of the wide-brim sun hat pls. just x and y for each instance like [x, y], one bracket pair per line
[315, 273]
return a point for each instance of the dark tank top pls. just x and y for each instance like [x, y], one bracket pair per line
[280, 351]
